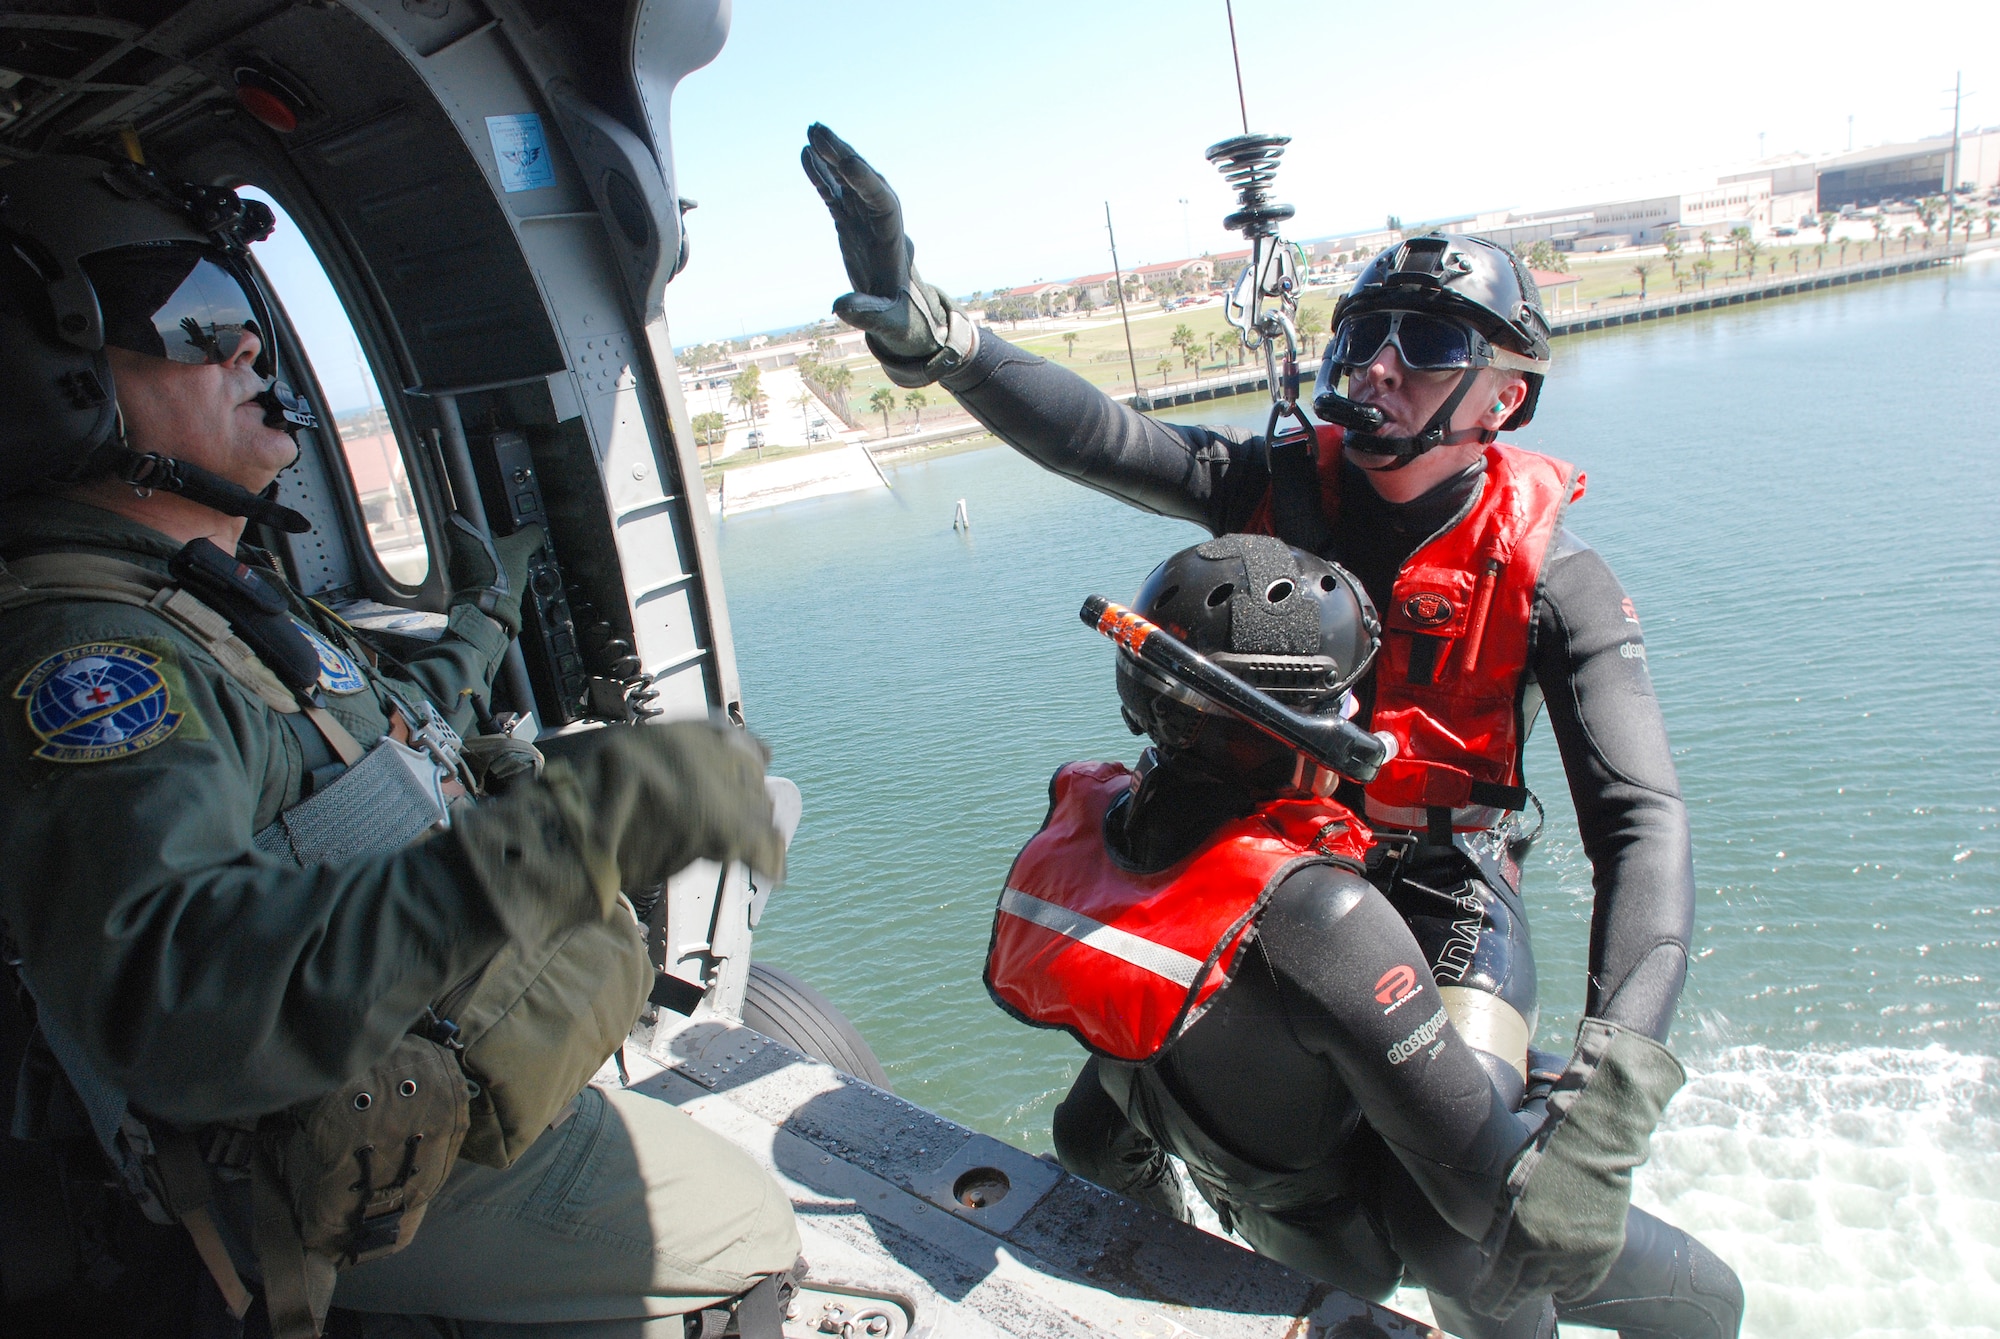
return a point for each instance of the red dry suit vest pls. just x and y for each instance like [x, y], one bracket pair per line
[1454, 653]
[1126, 961]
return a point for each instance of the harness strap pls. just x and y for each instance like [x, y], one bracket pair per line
[298, 1284]
[185, 1178]
[1297, 512]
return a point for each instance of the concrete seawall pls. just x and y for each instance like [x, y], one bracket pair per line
[1603, 315]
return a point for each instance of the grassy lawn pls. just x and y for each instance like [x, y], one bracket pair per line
[1612, 278]
[1098, 354]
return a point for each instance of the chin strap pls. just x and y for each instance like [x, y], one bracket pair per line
[150, 473]
[1434, 433]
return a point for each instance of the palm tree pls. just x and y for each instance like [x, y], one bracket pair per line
[1232, 344]
[1671, 240]
[1738, 238]
[1748, 249]
[1701, 269]
[803, 402]
[883, 401]
[746, 389]
[1928, 210]
[1908, 232]
[708, 430]
[1311, 327]
[1642, 269]
[1070, 340]
[1882, 234]
[915, 402]
[1843, 251]
[1826, 222]
[1165, 367]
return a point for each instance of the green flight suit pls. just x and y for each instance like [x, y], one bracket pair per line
[213, 982]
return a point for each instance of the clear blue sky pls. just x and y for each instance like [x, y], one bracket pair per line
[1005, 126]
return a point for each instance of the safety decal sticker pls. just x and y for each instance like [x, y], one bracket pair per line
[338, 674]
[98, 701]
[521, 152]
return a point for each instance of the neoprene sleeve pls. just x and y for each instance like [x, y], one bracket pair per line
[1600, 699]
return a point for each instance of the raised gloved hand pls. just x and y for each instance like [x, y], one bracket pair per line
[490, 573]
[1570, 1188]
[633, 808]
[914, 330]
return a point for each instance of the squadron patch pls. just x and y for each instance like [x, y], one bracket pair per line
[98, 701]
[338, 674]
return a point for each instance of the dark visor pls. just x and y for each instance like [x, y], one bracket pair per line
[1426, 343]
[177, 300]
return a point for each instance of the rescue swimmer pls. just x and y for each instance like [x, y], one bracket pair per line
[313, 970]
[1204, 925]
[1492, 608]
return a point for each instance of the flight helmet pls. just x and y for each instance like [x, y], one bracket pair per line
[1288, 623]
[1448, 302]
[96, 254]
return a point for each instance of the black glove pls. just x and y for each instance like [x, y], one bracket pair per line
[491, 574]
[916, 332]
[634, 806]
[1564, 1221]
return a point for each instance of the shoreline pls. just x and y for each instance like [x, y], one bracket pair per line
[889, 454]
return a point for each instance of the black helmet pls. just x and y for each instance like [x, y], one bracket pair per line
[95, 253]
[1472, 281]
[1288, 623]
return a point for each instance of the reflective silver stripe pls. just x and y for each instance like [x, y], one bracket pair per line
[1144, 954]
[1476, 816]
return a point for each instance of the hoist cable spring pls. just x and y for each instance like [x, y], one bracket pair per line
[1249, 163]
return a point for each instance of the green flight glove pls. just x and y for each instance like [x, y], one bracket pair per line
[914, 330]
[490, 573]
[633, 806]
[1571, 1186]
[498, 763]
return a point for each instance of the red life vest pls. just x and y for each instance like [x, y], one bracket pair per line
[1126, 961]
[1455, 642]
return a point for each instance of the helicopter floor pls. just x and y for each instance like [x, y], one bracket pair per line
[915, 1226]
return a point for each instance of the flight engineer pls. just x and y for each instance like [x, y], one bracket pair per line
[1204, 924]
[1491, 608]
[268, 993]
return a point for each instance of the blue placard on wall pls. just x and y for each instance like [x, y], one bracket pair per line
[522, 151]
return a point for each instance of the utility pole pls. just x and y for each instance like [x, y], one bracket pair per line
[1118, 279]
[1951, 167]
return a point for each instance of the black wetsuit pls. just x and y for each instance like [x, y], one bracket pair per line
[1282, 1099]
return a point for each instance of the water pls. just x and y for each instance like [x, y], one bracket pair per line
[1800, 498]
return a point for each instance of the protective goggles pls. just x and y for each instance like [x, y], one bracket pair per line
[1425, 343]
[180, 301]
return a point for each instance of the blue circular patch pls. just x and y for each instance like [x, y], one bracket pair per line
[97, 701]
[338, 674]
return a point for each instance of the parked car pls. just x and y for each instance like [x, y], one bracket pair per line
[756, 437]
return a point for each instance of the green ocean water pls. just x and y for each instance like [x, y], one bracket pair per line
[1803, 500]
